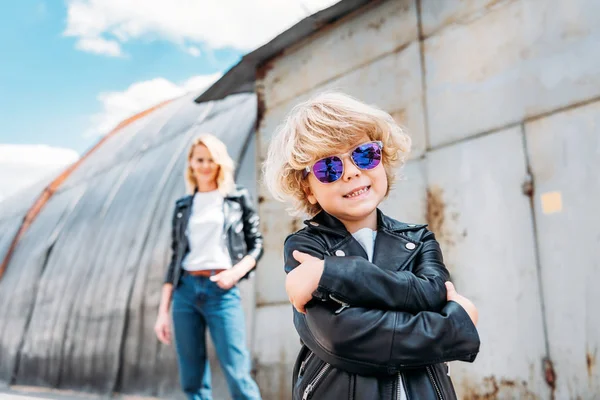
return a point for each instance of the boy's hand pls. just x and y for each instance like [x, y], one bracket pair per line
[303, 280]
[452, 295]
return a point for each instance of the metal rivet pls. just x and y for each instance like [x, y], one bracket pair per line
[340, 253]
[313, 223]
[410, 246]
[179, 215]
[240, 255]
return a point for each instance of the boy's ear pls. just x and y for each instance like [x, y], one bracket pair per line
[309, 195]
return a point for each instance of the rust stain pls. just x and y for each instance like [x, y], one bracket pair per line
[295, 225]
[490, 389]
[259, 86]
[49, 191]
[435, 209]
[590, 361]
[376, 25]
[399, 116]
[549, 374]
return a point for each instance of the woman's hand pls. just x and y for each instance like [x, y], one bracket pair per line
[452, 295]
[230, 277]
[162, 327]
[226, 279]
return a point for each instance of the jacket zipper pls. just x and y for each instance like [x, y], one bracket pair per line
[311, 386]
[403, 380]
[399, 386]
[435, 385]
[343, 305]
[303, 365]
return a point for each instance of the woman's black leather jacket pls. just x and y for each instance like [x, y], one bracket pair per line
[241, 231]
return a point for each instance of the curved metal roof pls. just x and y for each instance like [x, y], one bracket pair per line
[79, 295]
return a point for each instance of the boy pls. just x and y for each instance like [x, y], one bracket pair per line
[373, 307]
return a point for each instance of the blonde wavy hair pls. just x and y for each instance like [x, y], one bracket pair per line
[325, 125]
[218, 151]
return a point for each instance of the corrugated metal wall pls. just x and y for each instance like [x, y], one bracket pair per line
[502, 99]
[79, 298]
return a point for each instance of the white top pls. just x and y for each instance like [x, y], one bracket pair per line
[205, 233]
[366, 237]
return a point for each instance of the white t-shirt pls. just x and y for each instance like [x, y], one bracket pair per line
[366, 237]
[205, 233]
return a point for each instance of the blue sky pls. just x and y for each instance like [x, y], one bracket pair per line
[71, 70]
[49, 89]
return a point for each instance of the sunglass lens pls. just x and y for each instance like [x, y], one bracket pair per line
[367, 156]
[328, 169]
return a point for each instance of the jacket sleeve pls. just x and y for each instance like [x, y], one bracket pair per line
[169, 276]
[254, 239]
[369, 341]
[359, 282]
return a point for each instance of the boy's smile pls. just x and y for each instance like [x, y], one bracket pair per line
[358, 192]
[354, 198]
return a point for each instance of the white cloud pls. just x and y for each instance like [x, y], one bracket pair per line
[118, 106]
[241, 24]
[100, 46]
[193, 51]
[23, 165]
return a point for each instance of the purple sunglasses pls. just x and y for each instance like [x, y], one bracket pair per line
[330, 169]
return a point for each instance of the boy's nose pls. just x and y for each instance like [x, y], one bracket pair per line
[350, 170]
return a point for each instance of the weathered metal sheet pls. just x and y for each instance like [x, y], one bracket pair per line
[342, 48]
[407, 200]
[564, 152]
[96, 280]
[276, 346]
[437, 14]
[484, 224]
[9, 227]
[510, 64]
[392, 82]
[19, 284]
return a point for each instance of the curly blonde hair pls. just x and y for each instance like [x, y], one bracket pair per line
[324, 125]
[218, 151]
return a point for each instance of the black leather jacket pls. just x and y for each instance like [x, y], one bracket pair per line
[241, 231]
[372, 325]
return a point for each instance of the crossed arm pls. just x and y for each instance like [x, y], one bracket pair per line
[405, 312]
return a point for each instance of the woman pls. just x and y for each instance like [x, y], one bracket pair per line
[216, 242]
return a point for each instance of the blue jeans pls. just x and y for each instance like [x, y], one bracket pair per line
[197, 304]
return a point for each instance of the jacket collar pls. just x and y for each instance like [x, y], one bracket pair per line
[327, 222]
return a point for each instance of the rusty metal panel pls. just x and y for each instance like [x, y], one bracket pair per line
[509, 64]
[407, 200]
[484, 224]
[340, 49]
[276, 346]
[276, 224]
[437, 14]
[393, 83]
[564, 152]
